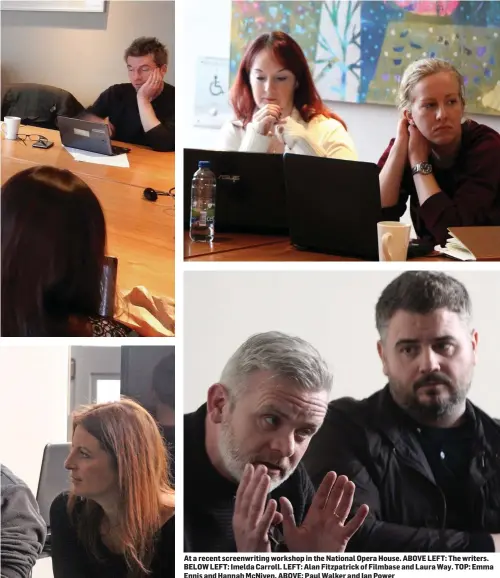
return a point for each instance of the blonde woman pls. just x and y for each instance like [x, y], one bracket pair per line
[118, 519]
[448, 167]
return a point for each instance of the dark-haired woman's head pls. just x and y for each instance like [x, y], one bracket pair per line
[274, 70]
[53, 247]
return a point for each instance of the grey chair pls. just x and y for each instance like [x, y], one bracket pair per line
[54, 479]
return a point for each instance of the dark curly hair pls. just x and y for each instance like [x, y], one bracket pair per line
[148, 45]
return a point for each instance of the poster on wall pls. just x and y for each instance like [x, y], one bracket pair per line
[54, 5]
[358, 51]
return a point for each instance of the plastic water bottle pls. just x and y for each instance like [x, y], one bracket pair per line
[203, 203]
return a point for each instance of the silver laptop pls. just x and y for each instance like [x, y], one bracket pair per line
[87, 135]
[54, 477]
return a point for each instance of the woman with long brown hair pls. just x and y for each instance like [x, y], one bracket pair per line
[53, 255]
[118, 518]
[278, 108]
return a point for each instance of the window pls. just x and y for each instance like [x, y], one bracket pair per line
[106, 390]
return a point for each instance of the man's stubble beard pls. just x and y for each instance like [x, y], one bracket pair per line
[234, 461]
[433, 410]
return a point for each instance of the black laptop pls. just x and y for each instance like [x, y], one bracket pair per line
[333, 205]
[250, 195]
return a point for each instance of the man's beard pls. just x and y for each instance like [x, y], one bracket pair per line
[436, 406]
[234, 461]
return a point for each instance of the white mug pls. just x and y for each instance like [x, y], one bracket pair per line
[393, 240]
[12, 123]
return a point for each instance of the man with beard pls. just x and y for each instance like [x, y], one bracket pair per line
[423, 457]
[243, 450]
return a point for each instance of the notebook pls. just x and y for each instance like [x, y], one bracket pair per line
[472, 244]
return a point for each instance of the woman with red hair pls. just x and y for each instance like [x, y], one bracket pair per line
[277, 106]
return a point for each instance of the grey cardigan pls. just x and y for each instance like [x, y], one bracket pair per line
[23, 528]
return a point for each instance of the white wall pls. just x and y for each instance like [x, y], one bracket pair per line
[371, 126]
[82, 52]
[33, 405]
[334, 310]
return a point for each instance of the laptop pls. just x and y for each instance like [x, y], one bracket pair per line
[250, 195]
[88, 136]
[333, 205]
[54, 478]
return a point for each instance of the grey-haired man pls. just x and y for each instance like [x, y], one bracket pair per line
[243, 452]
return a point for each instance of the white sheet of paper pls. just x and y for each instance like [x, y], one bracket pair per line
[454, 248]
[98, 159]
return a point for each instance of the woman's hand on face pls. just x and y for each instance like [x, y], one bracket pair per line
[265, 118]
[403, 135]
[419, 148]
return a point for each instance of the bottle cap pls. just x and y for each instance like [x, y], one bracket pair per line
[203, 164]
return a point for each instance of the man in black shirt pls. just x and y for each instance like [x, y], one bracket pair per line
[423, 457]
[142, 111]
[245, 445]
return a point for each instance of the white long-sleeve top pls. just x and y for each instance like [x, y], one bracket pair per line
[322, 137]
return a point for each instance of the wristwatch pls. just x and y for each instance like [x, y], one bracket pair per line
[422, 168]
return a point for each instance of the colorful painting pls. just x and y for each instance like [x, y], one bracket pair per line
[357, 51]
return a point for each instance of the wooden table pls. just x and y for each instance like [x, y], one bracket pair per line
[148, 168]
[246, 247]
[140, 232]
[227, 243]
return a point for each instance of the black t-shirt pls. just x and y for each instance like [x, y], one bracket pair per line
[209, 497]
[119, 103]
[70, 558]
[449, 453]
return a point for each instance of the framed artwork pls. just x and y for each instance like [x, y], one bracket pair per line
[357, 51]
